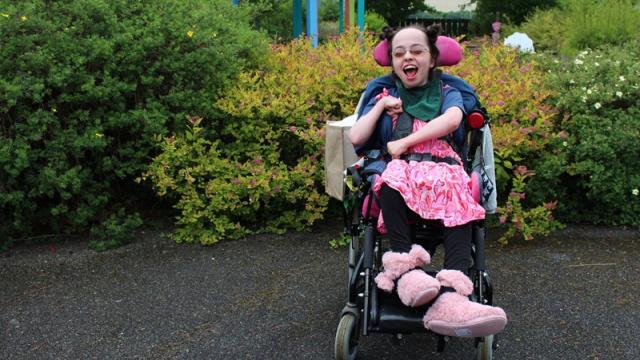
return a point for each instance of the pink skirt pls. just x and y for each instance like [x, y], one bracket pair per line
[434, 191]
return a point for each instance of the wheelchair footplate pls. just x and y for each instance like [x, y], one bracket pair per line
[395, 317]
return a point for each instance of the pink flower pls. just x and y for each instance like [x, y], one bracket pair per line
[503, 219]
[517, 224]
[258, 161]
[276, 189]
[293, 128]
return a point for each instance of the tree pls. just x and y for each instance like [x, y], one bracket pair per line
[396, 12]
[514, 12]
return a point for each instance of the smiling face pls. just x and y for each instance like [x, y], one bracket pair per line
[411, 57]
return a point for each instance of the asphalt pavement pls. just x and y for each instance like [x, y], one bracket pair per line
[573, 295]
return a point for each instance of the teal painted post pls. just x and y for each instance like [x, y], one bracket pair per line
[361, 14]
[297, 18]
[312, 21]
[341, 16]
[235, 2]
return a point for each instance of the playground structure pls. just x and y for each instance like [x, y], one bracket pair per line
[347, 17]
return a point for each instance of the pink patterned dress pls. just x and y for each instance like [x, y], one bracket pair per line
[434, 191]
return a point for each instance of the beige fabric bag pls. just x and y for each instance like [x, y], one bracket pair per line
[338, 155]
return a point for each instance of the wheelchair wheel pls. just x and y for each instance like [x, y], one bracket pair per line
[346, 345]
[485, 348]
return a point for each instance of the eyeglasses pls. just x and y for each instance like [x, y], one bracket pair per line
[415, 50]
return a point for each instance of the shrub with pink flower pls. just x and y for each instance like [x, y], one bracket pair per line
[514, 91]
[527, 222]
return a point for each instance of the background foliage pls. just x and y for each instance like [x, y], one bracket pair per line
[593, 166]
[579, 24]
[513, 12]
[273, 17]
[85, 85]
[514, 92]
[396, 12]
[265, 172]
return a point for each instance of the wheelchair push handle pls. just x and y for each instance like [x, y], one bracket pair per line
[476, 119]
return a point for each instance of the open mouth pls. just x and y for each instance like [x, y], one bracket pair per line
[410, 71]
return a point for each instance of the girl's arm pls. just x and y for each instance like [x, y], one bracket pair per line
[364, 127]
[443, 125]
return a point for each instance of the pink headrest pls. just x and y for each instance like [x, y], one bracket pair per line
[450, 52]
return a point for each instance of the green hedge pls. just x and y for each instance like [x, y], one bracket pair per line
[85, 85]
[266, 172]
[576, 25]
[592, 165]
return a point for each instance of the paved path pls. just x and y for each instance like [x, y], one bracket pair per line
[575, 295]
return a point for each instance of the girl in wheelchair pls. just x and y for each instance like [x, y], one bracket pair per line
[425, 178]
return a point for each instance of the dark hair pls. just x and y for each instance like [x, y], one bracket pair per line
[431, 32]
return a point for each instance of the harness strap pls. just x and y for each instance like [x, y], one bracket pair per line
[429, 157]
[404, 126]
[404, 122]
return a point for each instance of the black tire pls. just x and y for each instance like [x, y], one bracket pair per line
[485, 348]
[346, 346]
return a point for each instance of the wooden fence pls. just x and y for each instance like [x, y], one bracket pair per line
[450, 26]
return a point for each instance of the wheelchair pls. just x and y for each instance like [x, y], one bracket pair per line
[370, 310]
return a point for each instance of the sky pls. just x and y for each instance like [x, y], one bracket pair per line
[446, 5]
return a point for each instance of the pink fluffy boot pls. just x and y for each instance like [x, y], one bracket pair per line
[415, 287]
[453, 314]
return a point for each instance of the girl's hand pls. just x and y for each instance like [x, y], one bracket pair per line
[392, 105]
[396, 148]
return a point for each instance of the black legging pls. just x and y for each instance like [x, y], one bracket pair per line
[457, 239]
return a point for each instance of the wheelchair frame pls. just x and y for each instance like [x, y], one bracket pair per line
[369, 310]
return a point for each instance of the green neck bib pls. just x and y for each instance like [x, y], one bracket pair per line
[422, 102]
